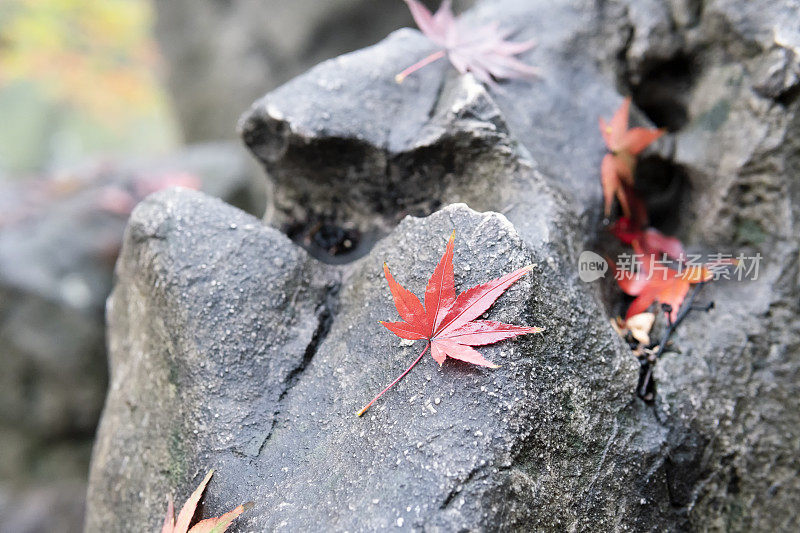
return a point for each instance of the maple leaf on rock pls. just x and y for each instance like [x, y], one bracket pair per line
[448, 322]
[481, 50]
[210, 525]
[625, 144]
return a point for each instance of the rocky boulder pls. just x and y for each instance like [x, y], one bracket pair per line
[242, 353]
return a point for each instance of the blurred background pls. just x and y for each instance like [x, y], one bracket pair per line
[101, 103]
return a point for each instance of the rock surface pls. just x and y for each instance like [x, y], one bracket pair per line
[365, 162]
[455, 447]
[727, 80]
[554, 439]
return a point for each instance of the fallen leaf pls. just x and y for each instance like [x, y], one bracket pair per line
[625, 144]
[448, 322]
[618, 325]
[613, 185]
[481, 50]
[209, 525]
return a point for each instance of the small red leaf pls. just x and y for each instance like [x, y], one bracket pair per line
[617, 168]
[665, 287]
[169, 520]
[221, 523]
[462, 352]
[405, 330]
[187, 511]
[481, 332]
[211, 525]
[472, 303]
[609, 178]
[448, 323]
[613, 130]
[647, 242]
[637, 139]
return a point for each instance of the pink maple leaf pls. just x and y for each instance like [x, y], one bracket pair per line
[481, 50]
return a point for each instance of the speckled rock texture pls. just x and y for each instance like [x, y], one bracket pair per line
[556, 438]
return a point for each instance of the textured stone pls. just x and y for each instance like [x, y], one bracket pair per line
[454, 447]
[231, 302]
[729, 75]
[345, 145]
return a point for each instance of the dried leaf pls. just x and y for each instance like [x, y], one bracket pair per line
[667, 286]
[624, 144]
[210, 525]
[648, 241]
[640, 326]
[221, 523]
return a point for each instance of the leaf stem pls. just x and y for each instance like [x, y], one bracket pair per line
[419, 64]
[393, 383]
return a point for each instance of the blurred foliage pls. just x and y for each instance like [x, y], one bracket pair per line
[78, 77]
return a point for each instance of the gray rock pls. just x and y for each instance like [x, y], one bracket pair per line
[58, 243]
[449, 448]
[345, 145]
[731, 396]
[243, 303]
[554, 439]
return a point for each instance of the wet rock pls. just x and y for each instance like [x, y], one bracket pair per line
[240, 304]
[346, 145]
[59, 239]
[730, 396]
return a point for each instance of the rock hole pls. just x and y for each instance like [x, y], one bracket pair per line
[662, 90]
[329, 242]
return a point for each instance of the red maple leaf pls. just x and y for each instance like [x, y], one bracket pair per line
[625, 144]
[668, 286]
[209, 525]
[482, 50]
[448, 322]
